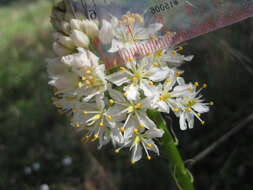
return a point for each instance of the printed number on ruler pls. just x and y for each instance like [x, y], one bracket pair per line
[89, 7]
[164, 6]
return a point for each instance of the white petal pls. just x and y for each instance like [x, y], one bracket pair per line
[147, 89]
[154, 133]
[201, 108]
[143, 118]
[158, 74]
[79, 38]
[182, 122]
[106, 33]
[119, 78]
[116, 95]
[132, 92]
[136, 153]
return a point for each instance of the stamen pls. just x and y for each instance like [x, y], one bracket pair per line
[125, 94]
[138, 105]
[148, 54]
[117, 150]
[122, 68]
[111, 101]
[122, 129]
[101, 124]
[150, 83]
[133, 162]
[199, 114]
[109, 117]
[80, 84]
[142, 125]
[84, 78]
[168, 80]
[188, 109]
[179, 73]
[204, 85]
[130, 58]
[149, 145]
[155, 64]
[196, 84]
[87, 82]
[136, 130]
[149, 157]
[85, 112]
[96, 136]
[88, 71]
[162, 98]
[176, 110]
[190, 88]
[211, 103]
[174, 52]
[74, 110]
[203, 122]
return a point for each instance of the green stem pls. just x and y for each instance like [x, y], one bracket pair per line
[181, 175]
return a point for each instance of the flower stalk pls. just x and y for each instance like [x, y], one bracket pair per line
[182, 176]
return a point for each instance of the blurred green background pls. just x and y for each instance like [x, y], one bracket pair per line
[37, 146]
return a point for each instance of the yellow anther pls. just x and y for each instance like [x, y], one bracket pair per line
[174, 52]
[122, 68]
[168, 33]
[155, 64]
[111, 101]
[190, 88]
[190, 102]
[85, 112]
[180, 48]
[138, 105]
[87, 82]
[84, 78]
[204, 85]
[76, 125]
[101, 124]
[96, 136]
[168, 80]
[109, 117]
[149, 157]
[188, 109]
[176, 110]
[150, 83]
[134, 79]
[125, 94]
[179, 73]
[97, 116]
[139, 18]
[196, 84]
[117, 150]
[142, 125]
[80, 84]
[149, 145]
[91, 77]
[152, 36]
[74, 110]
[122, 129]
[203, 122]
[88, 71]
[199, 114]
[133, 162]
[136, 130]
[130, 58]
[130, 109]
[148, 54]
[162, 98]
[211, 103]
[87, 137]
[160, 53]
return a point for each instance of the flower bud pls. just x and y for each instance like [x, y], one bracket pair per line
[80, 39]
[66, 42]
[90, 28]
[75, 24]
[106, 34]
[60, 50]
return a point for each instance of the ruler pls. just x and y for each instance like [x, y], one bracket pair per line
[188, 18]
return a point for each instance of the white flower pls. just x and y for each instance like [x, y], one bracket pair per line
[127, 31]
[191, 105]
[131, 113]
[170, 58]
[79, 38]
[139, 76]
[140, 141]
[97, 122]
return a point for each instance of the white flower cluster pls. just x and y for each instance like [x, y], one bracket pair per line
[111, 106]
